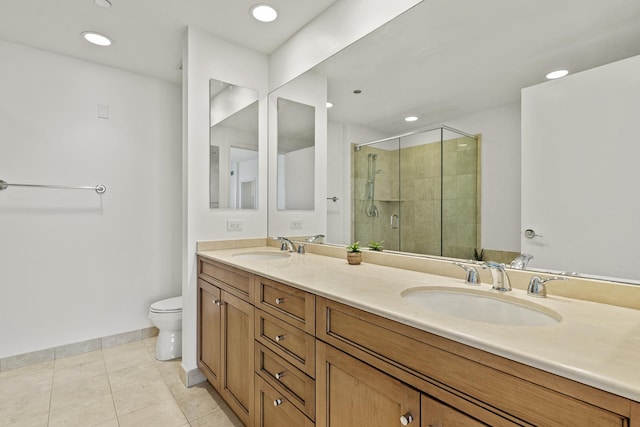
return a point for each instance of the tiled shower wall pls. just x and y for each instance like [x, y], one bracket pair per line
[434, 188]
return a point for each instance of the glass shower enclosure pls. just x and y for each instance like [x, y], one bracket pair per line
[419, 193]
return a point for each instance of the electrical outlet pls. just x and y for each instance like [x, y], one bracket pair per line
[234, 225]
[296, 224]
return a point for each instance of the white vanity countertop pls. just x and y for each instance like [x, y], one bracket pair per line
[595, 344]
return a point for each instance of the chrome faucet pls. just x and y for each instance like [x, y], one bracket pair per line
[315, 238]
[500, 277]
[521, 261]
[536, 286]
[287, 245]
[471, 277]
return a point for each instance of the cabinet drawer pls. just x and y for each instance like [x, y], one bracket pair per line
[296, 386]
[237, 282]
[419, 351]
[289, 342]
[287, 303]
[274, 410]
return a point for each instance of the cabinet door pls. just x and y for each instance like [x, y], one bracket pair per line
[237, 356]
[352, 393]
[437, 414]
[274, 410]
[209, 327]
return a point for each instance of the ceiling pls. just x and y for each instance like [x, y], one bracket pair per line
[448, 58]
[148, 34]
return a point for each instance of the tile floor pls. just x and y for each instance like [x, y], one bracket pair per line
[118, 386]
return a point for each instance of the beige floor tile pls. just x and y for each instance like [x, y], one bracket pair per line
[82, 371]
[199, 401]
[18, 382]
[140, 396]
[137, 374]
[169, 367]
[165, 413]
[37, 421]
[86, 413]
[218, 418]
[124, 356]
[25, 406]
[174, 383]
[110, 423]
[75, 392]
[79, 359]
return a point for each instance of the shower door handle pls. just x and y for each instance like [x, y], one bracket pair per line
[395, 221]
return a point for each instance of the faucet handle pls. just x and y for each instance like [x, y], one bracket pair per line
[301, 248]
[536, 286]
[471, 277]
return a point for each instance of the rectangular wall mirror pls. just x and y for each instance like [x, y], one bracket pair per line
[233, 146]
[296, 155]
[431, 67]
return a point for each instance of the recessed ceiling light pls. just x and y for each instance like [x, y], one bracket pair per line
[557, 74]
[103, 3]
[97, 38]
[329, 105]
[264, 12]
[410, 119]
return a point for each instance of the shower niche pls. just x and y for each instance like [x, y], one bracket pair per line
[418, 193]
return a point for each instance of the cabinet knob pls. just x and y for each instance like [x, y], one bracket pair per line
[279, 338]
[279, 375]
[406, 419]
[218, 302]
[277, 402]
[279, 301]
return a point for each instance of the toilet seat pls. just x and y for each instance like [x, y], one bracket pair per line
[169, 305]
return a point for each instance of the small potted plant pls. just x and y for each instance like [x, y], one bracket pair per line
[376, 246]
[354, 256]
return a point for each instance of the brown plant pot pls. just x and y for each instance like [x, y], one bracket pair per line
[354, 258]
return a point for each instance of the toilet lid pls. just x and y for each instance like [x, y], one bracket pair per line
[167, 305]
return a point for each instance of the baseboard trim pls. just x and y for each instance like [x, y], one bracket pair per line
[68, 350]
[191, 377]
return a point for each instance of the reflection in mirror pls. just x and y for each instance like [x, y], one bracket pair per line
[419, 193]
[233, 140]
[433, 63]
[296, 155]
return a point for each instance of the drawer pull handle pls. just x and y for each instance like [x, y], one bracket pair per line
[279, 338]
[277, 402]
[218, 302]
[279, 301]
[406, 419]
[279, 375]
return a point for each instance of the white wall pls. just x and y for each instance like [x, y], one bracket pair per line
[75, 265]
[337, 178]
[343, 23]
[580, 171]
[206, 57]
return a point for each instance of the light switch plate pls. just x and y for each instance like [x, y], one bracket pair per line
[234, 225]
[296, 224]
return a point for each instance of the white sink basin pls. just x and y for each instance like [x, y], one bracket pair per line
[481, 306]
[262, 255]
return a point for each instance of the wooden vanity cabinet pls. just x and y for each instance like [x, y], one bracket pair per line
[483, 386]
[226, 336]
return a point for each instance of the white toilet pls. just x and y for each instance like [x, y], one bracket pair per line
[166, 315]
